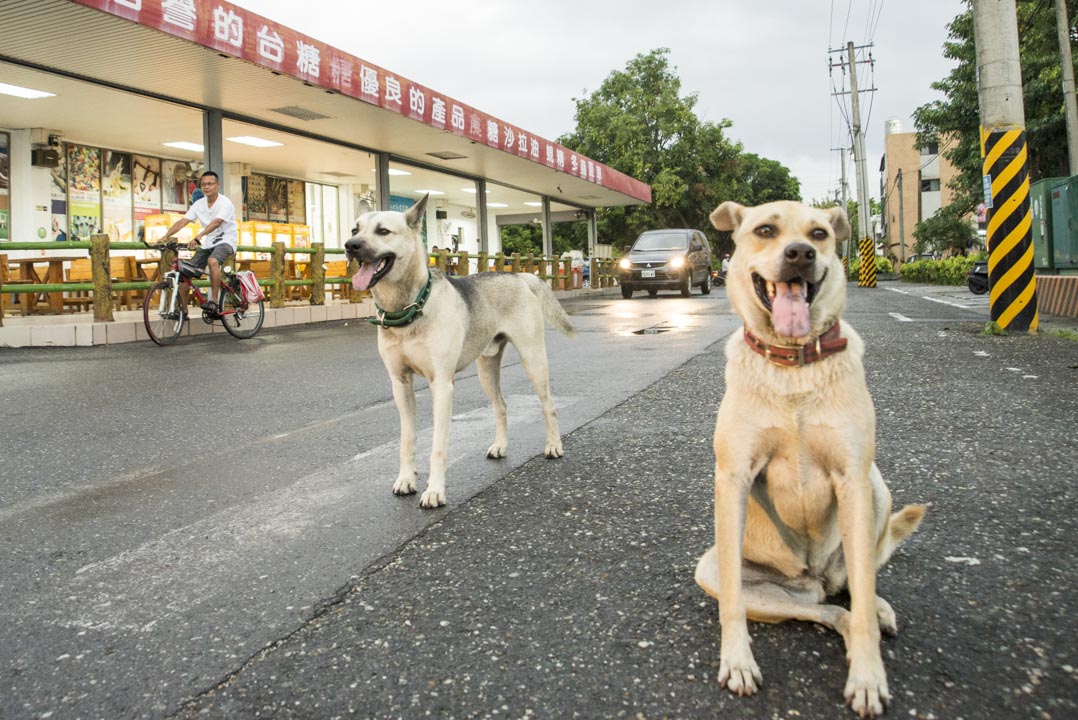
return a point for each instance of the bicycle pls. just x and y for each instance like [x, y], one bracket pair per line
[164, 318]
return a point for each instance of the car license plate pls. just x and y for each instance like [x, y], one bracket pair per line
[647, 273]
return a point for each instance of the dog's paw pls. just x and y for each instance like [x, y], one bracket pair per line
[554, 450]
[866, 690]
[886, 615]
[497, 451]
[432, 499]
[405, 485]
[740, 673]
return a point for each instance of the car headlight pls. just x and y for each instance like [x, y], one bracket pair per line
[677, 263]
[624, 264]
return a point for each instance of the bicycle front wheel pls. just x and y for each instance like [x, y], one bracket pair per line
[162, 313]
[241, 319]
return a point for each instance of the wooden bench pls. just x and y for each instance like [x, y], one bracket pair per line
[79, 272]
[336, 269]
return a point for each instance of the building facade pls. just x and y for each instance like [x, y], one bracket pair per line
[110, 115]
[914, 183]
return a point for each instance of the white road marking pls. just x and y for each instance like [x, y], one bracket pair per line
[900, 317]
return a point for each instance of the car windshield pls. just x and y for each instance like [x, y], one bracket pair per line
[661, 241]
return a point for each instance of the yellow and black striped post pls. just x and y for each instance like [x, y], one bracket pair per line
[866, 271]
[1012, 283]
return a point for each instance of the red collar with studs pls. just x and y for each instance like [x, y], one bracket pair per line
[827, 344]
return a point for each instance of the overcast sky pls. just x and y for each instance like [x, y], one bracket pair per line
[763, 64]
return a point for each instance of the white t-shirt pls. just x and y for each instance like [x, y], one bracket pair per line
[204, 214]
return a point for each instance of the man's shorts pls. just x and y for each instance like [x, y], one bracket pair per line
[221, 251]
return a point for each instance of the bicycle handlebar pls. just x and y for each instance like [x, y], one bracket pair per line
[173, 245]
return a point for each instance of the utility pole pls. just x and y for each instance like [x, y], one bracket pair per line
[1070, 107]
[845, 195]
[1011, 280]
[867, 276]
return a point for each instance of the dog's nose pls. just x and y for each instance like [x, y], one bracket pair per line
[352, 246]
[800, 254]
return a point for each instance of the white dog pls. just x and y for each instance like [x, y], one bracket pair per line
[800, 508]
[436, 326]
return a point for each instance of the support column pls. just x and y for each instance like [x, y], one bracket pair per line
[1011, 279]
[382, 165]
[213, 143]
[548, 234]
[593, 233]
[481, 211]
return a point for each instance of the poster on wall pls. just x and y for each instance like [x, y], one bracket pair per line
[277, 199]
[5, 173]
[297, 201]
[399, 203]
[256, 197]
[116, 196]
[146, 190]
[174, 185]
[84, 191]
[58, 198]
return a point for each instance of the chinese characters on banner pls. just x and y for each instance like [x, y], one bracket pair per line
[229, 29]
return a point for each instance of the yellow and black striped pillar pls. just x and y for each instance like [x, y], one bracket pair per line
[1012, 283]
[866, 271]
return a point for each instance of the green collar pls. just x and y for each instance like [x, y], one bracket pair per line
[406, 316]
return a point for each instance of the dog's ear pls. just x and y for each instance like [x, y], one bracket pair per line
[839, 223]
[414, 215]
[727, 217]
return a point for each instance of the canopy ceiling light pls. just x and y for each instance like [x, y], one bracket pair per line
[25, 93]
[255, 141]
[184, 145]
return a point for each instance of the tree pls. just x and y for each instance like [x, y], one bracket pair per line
[955, 121]
[946, 232]
[637, 122]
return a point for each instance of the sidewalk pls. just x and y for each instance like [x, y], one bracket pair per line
[80, 330]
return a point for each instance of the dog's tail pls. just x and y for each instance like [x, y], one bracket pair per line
[901, 525]
[553, 312]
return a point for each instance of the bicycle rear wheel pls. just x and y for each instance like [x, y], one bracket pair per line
[241, 319]
[162, 313]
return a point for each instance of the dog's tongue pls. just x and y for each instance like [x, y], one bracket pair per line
[362, 279]
[790, 310]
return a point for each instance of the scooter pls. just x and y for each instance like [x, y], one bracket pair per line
[977, 279]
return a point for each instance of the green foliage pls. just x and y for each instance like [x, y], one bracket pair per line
[949, 271]
[883, 265]
[955, 120]
[523, 239]
[944, 232]
[526, 239]
[637, 122]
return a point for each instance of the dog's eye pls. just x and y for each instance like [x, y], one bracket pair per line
[765, 231]
[382, 231]
[818, 234]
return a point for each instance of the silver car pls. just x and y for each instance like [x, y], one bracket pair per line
[672, 259]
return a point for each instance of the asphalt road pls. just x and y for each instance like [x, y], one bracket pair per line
[235, 551]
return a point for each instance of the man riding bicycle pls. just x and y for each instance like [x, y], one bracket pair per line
[219, 237]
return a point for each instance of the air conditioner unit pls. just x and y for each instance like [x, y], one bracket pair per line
[45, 157]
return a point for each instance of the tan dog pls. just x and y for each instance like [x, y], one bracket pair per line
[800, 508]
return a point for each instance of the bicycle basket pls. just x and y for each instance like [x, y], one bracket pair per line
[190, 270]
